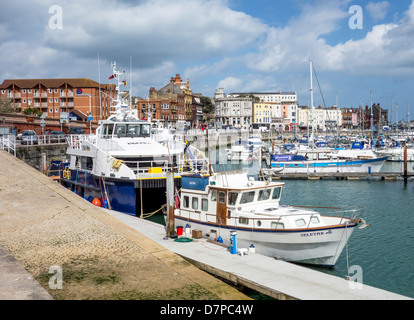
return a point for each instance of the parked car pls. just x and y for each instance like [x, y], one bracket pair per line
[28, 137]
[57, 136]
[76, 130]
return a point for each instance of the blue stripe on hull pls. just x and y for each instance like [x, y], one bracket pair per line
[312, 164]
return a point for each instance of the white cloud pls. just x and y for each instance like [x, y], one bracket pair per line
[378, 10]
[231, 84]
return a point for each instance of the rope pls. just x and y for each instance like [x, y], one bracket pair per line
[147, 215]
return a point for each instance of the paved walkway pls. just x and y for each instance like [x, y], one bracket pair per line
[16, 283]
[42, 224]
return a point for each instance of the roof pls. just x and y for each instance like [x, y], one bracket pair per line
[52, 83]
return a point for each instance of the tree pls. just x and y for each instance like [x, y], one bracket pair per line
[7, 106]
[32, 111]
[208, 106]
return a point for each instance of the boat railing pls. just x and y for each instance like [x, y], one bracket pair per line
[351, 213]
[159, 167]
[74, 140]
[346, 214]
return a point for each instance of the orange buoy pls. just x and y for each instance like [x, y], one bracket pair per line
[96, 202]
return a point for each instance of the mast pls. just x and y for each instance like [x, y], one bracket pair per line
[372, 121]
[313, 114]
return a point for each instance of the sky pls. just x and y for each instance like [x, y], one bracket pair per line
[358, 47]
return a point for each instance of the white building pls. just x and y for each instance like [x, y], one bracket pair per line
[283, 115]
[236, 111]
[322, 118]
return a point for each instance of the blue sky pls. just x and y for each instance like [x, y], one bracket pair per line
[238, 45]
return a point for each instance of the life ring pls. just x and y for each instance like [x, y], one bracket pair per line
[66, 173]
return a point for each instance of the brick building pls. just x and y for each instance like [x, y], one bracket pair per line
[172, 103]
[82, 97]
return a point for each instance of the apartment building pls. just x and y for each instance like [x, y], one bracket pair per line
[322, 119]
[263, 113]
[55, 96]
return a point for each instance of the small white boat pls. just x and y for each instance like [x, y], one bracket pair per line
[226, 202]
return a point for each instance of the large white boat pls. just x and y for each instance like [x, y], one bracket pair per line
[123, 166]
[226, 202]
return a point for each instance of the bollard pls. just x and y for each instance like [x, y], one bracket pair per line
[233, 240]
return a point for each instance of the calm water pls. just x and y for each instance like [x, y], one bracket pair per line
[384, 251]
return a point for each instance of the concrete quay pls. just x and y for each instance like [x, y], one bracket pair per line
[45, 228]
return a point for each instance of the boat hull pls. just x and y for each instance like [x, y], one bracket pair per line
[330, 166]
[321, 246]
[133, 197]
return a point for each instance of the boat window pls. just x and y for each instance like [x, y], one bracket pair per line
[315, 220]
[243, 220]
[264, 194]
[120, 130]
[204, 204]
[300, 223]
[247, 197]
[277, 225]
[233, 198]
[145, 130]
[259, 223]
[276, 193]
[134, 130]
[213, 195]
[222, 197]
[194, 203]
[107, 130]
[186, 202]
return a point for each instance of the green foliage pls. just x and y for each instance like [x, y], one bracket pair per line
[32, 111]
[208, 106]
[7, 106]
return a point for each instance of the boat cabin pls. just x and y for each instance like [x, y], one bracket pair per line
[135, 129]
[248, 204]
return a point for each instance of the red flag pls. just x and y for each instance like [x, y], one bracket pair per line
[111, 77]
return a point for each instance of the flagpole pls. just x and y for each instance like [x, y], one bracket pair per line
[130, 82]
[99, 79]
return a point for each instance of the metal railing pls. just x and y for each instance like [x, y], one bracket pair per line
[8, 143]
